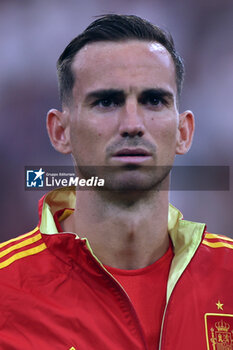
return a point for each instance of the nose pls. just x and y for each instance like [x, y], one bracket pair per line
[131, 122]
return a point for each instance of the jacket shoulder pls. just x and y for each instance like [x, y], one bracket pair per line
[216, 241]
[20, 247]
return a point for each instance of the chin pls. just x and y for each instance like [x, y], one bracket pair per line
[147, 179]
[129, 179]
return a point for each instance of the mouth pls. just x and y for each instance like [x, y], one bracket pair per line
[132, 155]
[132, 152]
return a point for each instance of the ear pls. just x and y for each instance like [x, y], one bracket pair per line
[185, 132]
[59, 130]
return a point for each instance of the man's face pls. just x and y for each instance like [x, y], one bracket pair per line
[124, 113]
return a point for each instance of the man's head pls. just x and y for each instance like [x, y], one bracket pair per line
[119, 103]
[114, 28]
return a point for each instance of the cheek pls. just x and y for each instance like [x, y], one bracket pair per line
[88, 139]
[164, 129]
[83, 137]
[169, 134]
[92, 127]
[165, 135]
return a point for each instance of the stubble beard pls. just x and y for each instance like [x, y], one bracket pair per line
[127, 179]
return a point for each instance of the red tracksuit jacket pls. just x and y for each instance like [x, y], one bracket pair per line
[55, 294]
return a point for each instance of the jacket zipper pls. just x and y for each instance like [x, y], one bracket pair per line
[161, 331]
[122, 289]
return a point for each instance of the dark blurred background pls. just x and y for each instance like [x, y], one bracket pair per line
[32, 36]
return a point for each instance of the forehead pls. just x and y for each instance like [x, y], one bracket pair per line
[123, 64]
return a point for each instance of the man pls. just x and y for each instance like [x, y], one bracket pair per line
[118, 268]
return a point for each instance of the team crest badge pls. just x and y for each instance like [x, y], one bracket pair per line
[219, 331]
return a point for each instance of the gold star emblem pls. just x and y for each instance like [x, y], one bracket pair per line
[219, 305]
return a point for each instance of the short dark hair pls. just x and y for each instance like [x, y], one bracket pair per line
[115, 28]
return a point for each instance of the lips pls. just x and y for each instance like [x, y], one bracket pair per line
[132, 156]
[132, 152]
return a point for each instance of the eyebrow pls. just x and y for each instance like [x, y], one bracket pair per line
[159, 92]
[111, 93]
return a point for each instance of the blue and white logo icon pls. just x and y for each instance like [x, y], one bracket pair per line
[35, 178]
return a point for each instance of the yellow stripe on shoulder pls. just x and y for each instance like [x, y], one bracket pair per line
[214, 236]
[19, 237]
[23, 254]
[20, 245]
[217, 244]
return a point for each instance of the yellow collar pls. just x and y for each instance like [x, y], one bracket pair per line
[186, 236]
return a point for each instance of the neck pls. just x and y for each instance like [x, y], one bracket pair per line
[123, 233]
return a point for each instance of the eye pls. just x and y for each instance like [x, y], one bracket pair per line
[155, 101]
[108, 102]
[152, 100]
[105, 102]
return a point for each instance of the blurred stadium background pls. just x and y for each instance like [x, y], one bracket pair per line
[33, 33]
